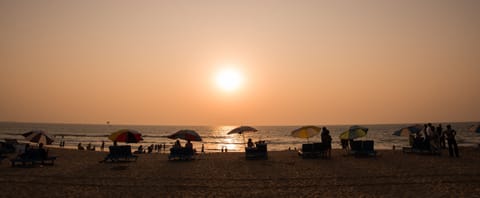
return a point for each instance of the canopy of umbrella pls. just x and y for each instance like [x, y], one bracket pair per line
[354, 132]
[410, 130]
[186, 134]
[126, 135]
[242, 130]
[306, 132]
[38, 136]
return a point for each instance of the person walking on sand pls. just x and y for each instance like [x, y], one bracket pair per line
[452, 143]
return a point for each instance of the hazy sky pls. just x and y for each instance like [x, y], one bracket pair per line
[302, 62]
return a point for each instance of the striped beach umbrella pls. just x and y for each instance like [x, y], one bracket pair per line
[126, 135]
[406, 131]
[38, 136]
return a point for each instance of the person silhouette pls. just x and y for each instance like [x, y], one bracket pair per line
[250, 143]
[327, 140]
[452, 143]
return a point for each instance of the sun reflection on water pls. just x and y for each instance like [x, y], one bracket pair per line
[233, 142]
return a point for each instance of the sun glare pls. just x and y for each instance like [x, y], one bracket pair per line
[229, 79]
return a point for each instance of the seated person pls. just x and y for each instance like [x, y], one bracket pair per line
[250, 143]
[140, 149]
[177, 145]
[189, 145]
[80, 147]
[150, 148]
[90, 147]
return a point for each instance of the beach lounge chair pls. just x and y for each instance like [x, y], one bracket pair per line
[260, 151]
[119, 154]
[182, 154]
[314, 150]
[9, 145]
[33, 156]
[363, 148]
[421, 149]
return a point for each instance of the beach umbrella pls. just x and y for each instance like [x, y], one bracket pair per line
[126, 135]
[406, 131]
[354, 132]
[475, 128]
[38, 136]
[306, 132]
[242, 130]
[186, 134]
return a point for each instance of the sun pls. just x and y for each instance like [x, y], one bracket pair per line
[229, 79]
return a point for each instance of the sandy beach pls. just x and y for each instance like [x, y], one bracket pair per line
[391, 174]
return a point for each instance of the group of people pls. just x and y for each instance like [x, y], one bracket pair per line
[90, 147]
[188, 145]
[430, 138]
[151, 148]
[433, 139]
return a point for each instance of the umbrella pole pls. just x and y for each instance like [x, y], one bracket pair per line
[244, 144]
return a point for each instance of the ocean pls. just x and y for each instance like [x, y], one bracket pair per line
[215, 137]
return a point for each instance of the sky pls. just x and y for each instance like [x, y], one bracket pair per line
[291, 62]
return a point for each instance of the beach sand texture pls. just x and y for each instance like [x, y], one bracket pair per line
[391, 174]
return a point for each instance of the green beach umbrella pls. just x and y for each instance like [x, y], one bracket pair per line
[354, 132]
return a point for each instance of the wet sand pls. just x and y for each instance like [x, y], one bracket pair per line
[391, 174]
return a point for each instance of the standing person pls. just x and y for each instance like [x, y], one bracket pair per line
[327, 140]
[434, 139]
[442, 136]
[62, 142]
[452, 143]
[426, 141]
[102, 146]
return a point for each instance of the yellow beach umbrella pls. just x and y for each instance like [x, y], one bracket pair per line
[306, 132]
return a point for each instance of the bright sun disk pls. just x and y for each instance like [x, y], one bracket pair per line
[229, 79]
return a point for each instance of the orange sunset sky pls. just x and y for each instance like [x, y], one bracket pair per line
[268, 62]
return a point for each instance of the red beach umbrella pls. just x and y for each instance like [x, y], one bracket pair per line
[126, 135]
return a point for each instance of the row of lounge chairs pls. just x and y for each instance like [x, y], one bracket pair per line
[32, 157]
[421, 147]
[120, 154]
[362, 148]
[314, 150]
[124, 153]
[181, 154]
[321, 150]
